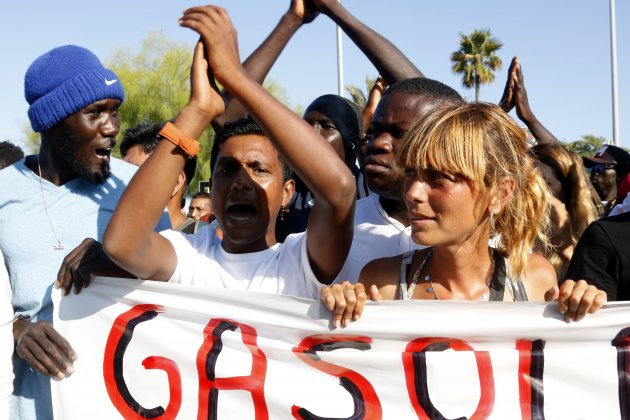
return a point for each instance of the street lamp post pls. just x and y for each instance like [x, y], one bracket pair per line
[613, 65]
[340, 86]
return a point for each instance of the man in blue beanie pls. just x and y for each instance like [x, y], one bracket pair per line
[52, 201]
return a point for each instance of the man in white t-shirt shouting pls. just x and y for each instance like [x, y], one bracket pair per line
[249, 187]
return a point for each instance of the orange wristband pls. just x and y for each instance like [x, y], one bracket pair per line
[189, 145]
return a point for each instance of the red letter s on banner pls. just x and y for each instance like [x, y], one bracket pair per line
[366, 402]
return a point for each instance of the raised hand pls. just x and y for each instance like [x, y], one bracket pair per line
[44, 348]
[507, 100]
[219, 39]
[304, 10]
[204, 92]
[521, 103]
[345, 301]
[374, 97]
[324, 5]
[515, 96]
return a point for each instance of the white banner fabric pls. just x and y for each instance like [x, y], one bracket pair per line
[155, 350]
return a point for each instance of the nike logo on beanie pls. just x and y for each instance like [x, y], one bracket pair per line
[110, 82]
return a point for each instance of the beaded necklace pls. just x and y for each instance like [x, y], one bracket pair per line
[431, 288]
[416, 277]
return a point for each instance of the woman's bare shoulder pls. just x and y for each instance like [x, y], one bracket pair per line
[382, 271]
[540, 276]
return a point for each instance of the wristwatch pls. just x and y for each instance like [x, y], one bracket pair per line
[189, 145]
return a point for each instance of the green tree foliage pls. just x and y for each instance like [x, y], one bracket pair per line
[31, 138]
[157, 86]
[476, 60]
[588, 145]
[358, 96]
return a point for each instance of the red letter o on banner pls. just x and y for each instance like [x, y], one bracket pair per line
[415, 365]
[117, 342]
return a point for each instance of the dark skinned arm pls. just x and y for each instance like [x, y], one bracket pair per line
[515, 96]
[330, 225]
[130, 240]
[390, 62]
[263, 58]
[376, 93]
[82, 263]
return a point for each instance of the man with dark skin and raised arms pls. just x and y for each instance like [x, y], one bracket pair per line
[382, 218]
[248, 189]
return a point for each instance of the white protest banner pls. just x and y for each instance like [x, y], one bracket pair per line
[162, 351]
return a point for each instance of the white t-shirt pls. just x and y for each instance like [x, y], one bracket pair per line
[376, 235]
[283, 269]
[621, 208]
[6, 342]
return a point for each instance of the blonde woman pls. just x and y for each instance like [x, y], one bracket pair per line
[469, 178]
[573, 206]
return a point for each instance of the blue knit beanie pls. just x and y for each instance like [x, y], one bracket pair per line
[65, 80]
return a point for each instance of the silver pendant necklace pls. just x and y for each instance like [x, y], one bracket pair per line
[59, 246]
[431, 287]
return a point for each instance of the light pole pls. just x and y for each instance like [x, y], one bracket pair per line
[340, 87]
[613, 65]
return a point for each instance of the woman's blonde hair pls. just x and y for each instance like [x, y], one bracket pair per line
[481, 143]
[581, 204]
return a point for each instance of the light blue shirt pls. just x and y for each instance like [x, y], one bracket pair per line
[77, 210]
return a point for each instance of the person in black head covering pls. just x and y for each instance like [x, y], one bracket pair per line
[608, 167]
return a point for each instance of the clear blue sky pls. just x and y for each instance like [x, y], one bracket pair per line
[563, 46]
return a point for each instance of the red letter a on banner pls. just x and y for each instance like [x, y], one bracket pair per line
[415, 364]
[366, 402]
[209, 385]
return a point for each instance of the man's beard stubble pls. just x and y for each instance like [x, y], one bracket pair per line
[66, 148]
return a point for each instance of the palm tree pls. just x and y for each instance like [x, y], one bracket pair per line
[358, 96]
[476, 59]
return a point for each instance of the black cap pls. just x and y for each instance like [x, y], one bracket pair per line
[610, 155]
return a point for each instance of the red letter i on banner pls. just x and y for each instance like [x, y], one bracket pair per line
[531, 364]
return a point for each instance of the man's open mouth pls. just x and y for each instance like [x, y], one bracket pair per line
[103, 152]
[240, 213]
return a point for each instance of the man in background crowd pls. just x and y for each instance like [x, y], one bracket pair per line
[608, 168]
[9, 154]
[200, 206]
